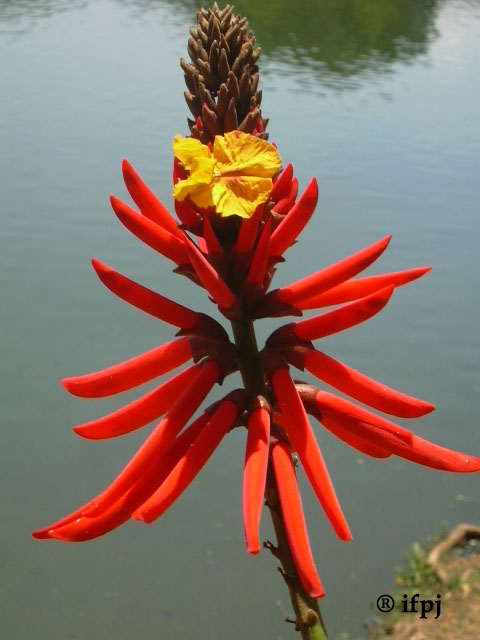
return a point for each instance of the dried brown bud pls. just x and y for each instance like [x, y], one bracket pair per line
[222, 79]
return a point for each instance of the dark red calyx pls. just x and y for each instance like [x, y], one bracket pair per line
[270, 306]
[207, 328]
[295, 352]
[282, 336]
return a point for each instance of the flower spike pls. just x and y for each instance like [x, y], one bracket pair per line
[130, 373]
[291, 226]
[291, 506]
[241, 213]
[194, 459]
[150, 232]
[140, 412]
[255, 471]
[147, 201]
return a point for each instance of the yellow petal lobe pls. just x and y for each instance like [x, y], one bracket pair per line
[201, 175]
[240, 196]
[242, 153]
[188, 149]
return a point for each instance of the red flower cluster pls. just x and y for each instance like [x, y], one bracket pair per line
[234, 261]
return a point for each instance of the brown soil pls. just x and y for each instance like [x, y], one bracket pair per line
[460, 607]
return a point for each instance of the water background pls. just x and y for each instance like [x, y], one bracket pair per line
[380, 102]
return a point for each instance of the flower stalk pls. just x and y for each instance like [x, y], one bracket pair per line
[308, 619]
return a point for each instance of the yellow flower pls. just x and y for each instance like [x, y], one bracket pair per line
[235, 178]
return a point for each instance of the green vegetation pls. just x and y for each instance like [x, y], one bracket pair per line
[414, 576]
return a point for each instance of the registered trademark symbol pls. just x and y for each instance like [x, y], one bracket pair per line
[385, 603]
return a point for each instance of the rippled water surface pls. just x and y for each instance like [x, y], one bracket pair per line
[380, 102]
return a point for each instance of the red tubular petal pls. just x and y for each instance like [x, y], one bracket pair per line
[43, 534]
[86, 528]
[147, 201]
[334, 405]
[258, 266]
[292, 512]
[343, 318]
[248, 233]
[332, 275]
[140, 412]
[145, 299]
[418, 450]
[333, 321]
[190, 464]
[202, 245]
[282, 185]
[284, 205]
[355, 289]
[353, 440]
[150, 232]
[178, 172]
[362, 388]
[130, 373]
[186, 214]
[296, 424]
[209, 278]
[255, 475]
[161, 437]
[213, 245]
[290, 227]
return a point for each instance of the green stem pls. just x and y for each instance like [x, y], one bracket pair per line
[308, 619]
[248, 358]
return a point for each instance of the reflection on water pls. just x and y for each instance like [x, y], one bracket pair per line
[339, 39]
[337, 42]
[27, 12]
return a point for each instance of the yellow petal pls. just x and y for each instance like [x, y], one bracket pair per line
[188, 149]
[202, 196]
[238, 153]
[201, 175]
[240, 196]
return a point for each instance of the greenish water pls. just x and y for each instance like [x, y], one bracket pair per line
[380, 102]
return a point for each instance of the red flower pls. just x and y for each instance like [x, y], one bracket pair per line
[234, 261]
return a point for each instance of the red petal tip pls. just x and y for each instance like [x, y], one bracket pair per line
[41, 534]
[66, 384]
[97, 265]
